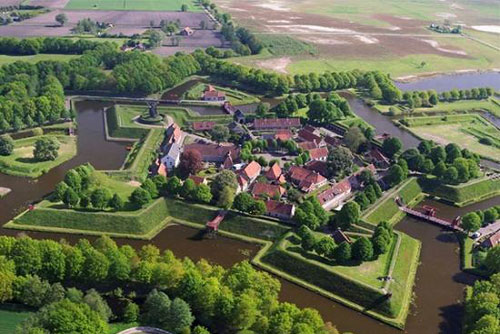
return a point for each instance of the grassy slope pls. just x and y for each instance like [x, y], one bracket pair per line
[21, 162]
[10, 318]
[153, 5]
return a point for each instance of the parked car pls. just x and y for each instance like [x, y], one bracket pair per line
[475, 235]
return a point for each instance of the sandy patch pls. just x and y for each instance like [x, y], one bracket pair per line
[446, 15]
[134, 183]
[404, 18]
[456, 6]
[276, 64]
[232, 9]
[324, 41]
[394, 28]
[493, 29]
[366, 39]
[279, 21]
[306, 28]
[436, 46]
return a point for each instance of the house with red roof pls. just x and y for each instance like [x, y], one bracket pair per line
[275, 174]
[318, 166]
[308, 136]
[261, 189]
[280, 210]
[333, 141]
[493, 240]
[307, 145]
[335, 195]
[248, 174]
[320, 153]
[215, 153]
[212, 94]
[283, 135]
[203, 126]
[173, 134]
[305, 179]
[275, 123]
[187, 31]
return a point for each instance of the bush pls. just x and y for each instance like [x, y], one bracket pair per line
[6, 145]
[486, 141]
[362, 249]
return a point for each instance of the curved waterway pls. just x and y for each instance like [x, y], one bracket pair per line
[448, 82]
[439, 283]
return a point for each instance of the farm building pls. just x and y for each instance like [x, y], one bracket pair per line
[280, 210]
[276, 123]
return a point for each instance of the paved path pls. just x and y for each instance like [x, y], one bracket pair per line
[145, 330]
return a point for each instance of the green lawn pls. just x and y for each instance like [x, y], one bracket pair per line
[152, 5]
[22, 163]
[36, 58]
[465, 130]
[10, 318]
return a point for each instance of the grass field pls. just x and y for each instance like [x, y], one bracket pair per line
[36, 58]
[153, 5]
[22, 163]
[466, 130]
[10, 317]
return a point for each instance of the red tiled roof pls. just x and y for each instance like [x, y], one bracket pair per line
[311, 129]
[241, 180]
[342, 187]
[276, 123]
[197, 179]
[318, 153]
[307, 145]
[211, 152]
[270, 190]
[203, 126]
[494, 240]
[252, 170]
[298, 173]
[283, 135]
[274, 172]
[174, 133]
[309, 136]
[307, 179]
[318, 167]
[212, 94]
[280, 208]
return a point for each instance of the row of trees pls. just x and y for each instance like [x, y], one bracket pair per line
[482, 307]
[381, 87]
[472, 221]
[362, 249]
[371, 191]
[223, 300]
[327, 81]
[32, 46]
[430, 98]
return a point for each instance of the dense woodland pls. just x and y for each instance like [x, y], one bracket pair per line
[49, 276]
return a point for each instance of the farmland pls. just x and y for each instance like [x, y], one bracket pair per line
[153, 5]
[371, 34]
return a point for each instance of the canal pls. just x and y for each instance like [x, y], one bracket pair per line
[448, 82]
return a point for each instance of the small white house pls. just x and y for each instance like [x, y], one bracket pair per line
[171, 159]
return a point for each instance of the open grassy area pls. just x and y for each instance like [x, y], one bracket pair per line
[466, 130]
[279, 45]
[4, 59]
[462, 194]
[234, 96]
[22, 163]
[10, 317]
[386, 209]
[153, 5]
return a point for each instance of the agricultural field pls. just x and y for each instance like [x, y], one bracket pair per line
[22, 163]
[466, 130]
[153, 5]
[4, 59]
[370, 35]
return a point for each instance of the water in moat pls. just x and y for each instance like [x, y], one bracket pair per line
[439, 283]
[448, 82]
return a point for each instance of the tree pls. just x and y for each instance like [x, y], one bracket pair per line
[471, 222]
[353, 138]
[225, 178]
[395, 175]
[98, 304]
[71, 198]
[490, 215]
[179, 316]
[258, 208]
[450, 175]
[156, 309]
[492, 261]
[340, 161]
[325, 246]
[60, 191]
[348, 215]
[203, 194]
[362, 249]
[342, 253]
[188, 189]
[150, 187]
[243, 202]
[140, 197]
[64, 317]
[184, 7]
[46, 148]
[73, 180]
[173, 186]
[61, 19]
[130, 312]
[117, 202]
[6, 145]
[100, 198]
[392, 146]
[26, 255]
[220, 133]
[226, 198]
[190, 163]
[155, 38]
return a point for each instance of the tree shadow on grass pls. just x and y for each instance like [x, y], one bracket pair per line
[381, 300]
[27, 160]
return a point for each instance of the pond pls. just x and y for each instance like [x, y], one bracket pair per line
[448, 82]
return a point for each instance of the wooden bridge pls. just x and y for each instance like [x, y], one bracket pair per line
[213, 225]
[429, 215]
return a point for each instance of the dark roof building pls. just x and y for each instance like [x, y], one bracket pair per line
[275, 123]
[203, 126]
[215, 153]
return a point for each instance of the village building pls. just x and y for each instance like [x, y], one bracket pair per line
[236, 128]
[379, 159]
[198, 179]
[493, 240]
[353, 178]
[340, 237]
[283, 135]
[280, 210]
[239, 116]
[320, 153]
[305, 179]
[275, 174]
[173, 134]
[159, 168]
[307, 145]
[335, 195]
[247, 175]
[215, 153]
[261, 189]
[275, 123]
[312, 129]
[203, 126]
[308, 136]
[213, 95]
[318, 166]
[187, 31]
[333, 141]
[171, 159]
